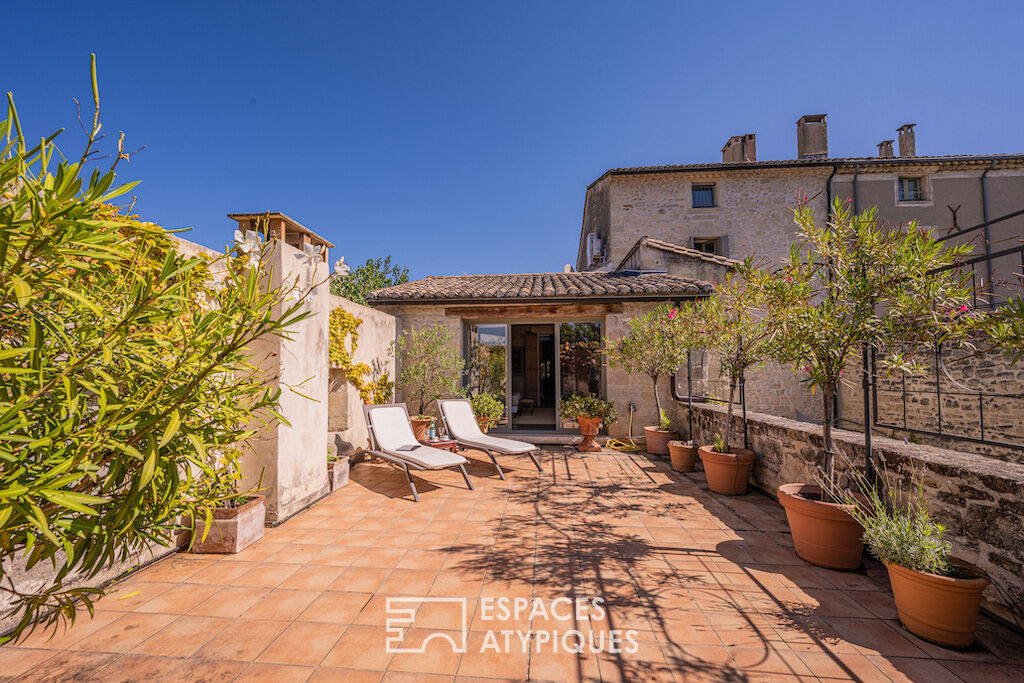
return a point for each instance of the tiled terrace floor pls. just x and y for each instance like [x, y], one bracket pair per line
[709, 583]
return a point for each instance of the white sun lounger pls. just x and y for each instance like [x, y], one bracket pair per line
[391, 438]
[458, 417]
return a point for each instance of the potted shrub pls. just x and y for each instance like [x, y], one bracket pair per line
[589, 412]
[430, 368]
[654, 345]
[937, 596]
[488, 409]
[683, 455]
[235, 519]
[850, 285]
[732, 323]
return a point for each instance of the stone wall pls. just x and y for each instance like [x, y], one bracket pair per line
[978, 499]
[376, 335]
[952, 396]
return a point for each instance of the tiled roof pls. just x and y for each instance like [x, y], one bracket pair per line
[682, 251]
[541, 286]
[867, 164]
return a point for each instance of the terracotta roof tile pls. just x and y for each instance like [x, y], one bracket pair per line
[542, 286]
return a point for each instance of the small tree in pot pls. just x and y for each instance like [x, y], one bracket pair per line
[430, 367]
[651, 347]
[849, 285]
[589, 412]
[732, 323]
[488, 409]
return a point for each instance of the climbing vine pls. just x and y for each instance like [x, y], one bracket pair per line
[343, 327]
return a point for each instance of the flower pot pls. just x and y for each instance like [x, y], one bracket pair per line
[657, 440]
[684, 457]
[483, 422]
[231, 530]
[942, 609]
[589, 426]
[420, 428]
[337, 472]
[824, 533]
[727, 473]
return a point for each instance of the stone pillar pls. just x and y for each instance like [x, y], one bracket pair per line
[292, 458]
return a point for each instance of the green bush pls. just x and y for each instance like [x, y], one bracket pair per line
[489, 407]
[126, 385]
[579, 405]
[907, 537]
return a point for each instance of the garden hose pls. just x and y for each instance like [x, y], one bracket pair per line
[629, 444]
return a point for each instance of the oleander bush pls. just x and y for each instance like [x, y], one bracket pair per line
[127, 391]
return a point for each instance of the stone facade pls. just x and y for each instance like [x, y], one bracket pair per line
[977, 498]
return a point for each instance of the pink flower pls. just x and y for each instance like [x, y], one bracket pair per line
[672, 314]
[807, 368]
[963, 308]
[840, 373]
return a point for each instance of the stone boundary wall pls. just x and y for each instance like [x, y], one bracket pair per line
[977, 498]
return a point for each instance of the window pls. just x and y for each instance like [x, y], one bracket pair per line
[704, 196]
[708, 246]
[911, 190]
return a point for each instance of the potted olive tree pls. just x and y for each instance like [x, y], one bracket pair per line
[937, 596]
[589, 412]
[430, 367]
[848, 285]
[732, 323]
[653, 347]
[488, 409]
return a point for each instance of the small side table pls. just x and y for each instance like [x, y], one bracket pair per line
[443, 444]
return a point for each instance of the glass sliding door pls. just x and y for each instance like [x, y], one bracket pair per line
[533, 396]
[579, 362]
[487, 364]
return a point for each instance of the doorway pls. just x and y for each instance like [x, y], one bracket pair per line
[533, 401]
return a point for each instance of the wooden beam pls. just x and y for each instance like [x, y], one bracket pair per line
[523, 311]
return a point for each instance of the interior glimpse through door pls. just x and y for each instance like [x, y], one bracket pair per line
[533, 398]
[580, 360]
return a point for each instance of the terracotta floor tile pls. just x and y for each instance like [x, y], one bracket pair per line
[335, 607]
[68, 666]
[409, 581]
[266, 575]
[564, 665]
[296, 553]
[359, 579]
[130, 594]
[281, 604]
[230, 601]
[206, 671]
[438, 656]
[284, 673]
[360, 647]
[330, 675]
[65, 635]
[138, 668]
[178, 600]
[220, 573]
[338, 556]
[125, 633]
[181, 637]
[403, 677]
[313, 577]
[15, 661]
[174, 568]
[873, 636]
[302, 643]
[379, 557]
[259, 551]
[479, 660]
[243, 640]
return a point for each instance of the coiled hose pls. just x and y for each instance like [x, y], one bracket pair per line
[629, 444]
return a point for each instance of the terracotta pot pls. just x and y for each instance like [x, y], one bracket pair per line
[727, 473]
[337, 472]
[232, 529]
[420, 428]
[684, 458]
[483, 422]
[657, 440]
[942, 609]
[823, 533]
[589, 426]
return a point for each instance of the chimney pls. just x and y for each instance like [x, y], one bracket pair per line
[885, 149]
[739, 148]
[907, 146]
[812, 137]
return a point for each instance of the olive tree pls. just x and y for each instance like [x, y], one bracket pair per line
[430, 364]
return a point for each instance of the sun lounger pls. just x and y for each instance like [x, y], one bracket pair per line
[391, 438]
[462, 425]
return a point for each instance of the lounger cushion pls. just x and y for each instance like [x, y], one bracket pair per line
[464, 427]
[431, 458]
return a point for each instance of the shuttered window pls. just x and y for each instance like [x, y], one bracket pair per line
[704, 196]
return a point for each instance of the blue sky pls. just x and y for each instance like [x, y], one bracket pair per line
[460, 137]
